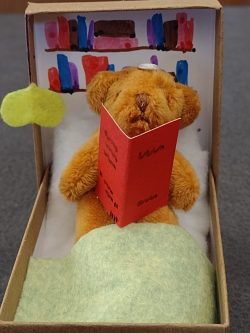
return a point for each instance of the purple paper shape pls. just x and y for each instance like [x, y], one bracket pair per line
[150, 34]
[154, 60]
[90, 40]
[74, 76]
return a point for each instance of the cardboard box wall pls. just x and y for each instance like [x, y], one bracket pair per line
[17, 278]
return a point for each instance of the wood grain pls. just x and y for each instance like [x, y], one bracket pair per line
[18, 6]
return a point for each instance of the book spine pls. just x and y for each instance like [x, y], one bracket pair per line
[74, 76]
[82, 33]
[51, 34]
[63, 37]
[64, 73]
[54, 81]
[73, 34]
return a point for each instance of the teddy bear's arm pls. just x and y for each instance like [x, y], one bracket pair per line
[184, 185]
[81, 174]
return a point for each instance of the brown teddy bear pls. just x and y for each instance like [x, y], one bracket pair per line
[139, 100]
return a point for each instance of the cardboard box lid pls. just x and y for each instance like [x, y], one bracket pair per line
[35, 8]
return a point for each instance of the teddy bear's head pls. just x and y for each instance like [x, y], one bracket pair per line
[142, 99]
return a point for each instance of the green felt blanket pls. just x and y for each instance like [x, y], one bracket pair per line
[143, 273]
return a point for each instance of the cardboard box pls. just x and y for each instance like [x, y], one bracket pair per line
[36, 12]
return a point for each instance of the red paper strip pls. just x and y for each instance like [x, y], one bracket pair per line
[51, 34]
[64, 39]
[54, 81]
[92, 65]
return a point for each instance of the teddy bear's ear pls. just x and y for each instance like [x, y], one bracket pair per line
[191, 107]
[98, 88]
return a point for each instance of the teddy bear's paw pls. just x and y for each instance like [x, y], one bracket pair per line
[73, 189]
[184, 196]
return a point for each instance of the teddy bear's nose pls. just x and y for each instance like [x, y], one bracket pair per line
[142, 101]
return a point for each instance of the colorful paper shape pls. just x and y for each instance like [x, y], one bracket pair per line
[73, 34]
[182, 71]
[90, 40]
[74, 76]
[115, 43]
[92, 65]
[64, 36]
[54, 81]
[157, 25]
[111, 67]
[51, 34]
[32, 105]
[185, 32]
[189, 35]
[115, 28]
[64, 73]
[82, 33]
[171, 34]
[150, 34]
[154, 60]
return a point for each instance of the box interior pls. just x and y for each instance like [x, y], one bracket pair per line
[16, 281]
[201, 55]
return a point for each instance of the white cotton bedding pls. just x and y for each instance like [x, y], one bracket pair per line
[56, 237]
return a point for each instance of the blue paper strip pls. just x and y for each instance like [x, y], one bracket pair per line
[182, 71]
[158, 31]
[111, 67]
[64, 73]
[82, 32]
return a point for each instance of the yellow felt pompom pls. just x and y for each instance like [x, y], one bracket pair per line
[32, 105]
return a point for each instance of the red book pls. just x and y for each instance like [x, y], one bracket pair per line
[92, 65]
[63, 38]
[134, 173]
[54, 81]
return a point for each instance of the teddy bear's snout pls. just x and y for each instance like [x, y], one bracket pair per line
[142, 101]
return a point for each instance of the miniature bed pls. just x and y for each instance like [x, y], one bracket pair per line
[140, 257]
[199, 142]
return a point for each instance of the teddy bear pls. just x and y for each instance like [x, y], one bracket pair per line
[139, 100]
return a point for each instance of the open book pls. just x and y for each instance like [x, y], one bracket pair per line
[134, 173]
